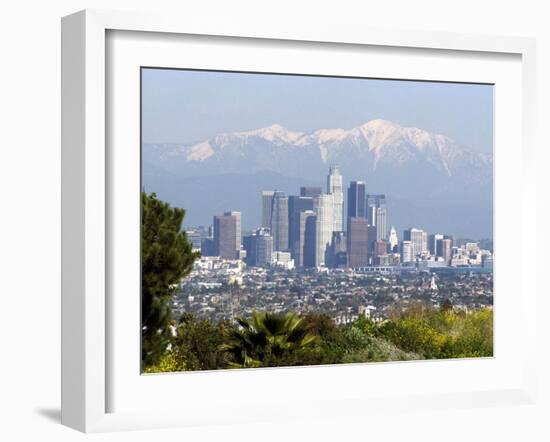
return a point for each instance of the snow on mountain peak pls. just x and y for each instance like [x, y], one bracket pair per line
[274, 133]
[384, 141]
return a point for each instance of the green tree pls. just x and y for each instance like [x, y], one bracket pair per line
[267, 339]
[166, 257]
[197, 344]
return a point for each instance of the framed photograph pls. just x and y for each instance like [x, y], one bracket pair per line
[277, 223]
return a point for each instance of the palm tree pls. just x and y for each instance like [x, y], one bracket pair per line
[266, 335]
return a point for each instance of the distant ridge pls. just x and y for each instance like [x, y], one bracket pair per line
[424, 169]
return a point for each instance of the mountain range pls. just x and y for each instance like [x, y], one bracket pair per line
[430, 181]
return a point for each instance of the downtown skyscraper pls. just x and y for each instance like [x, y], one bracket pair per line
[358, 242]
[279, 221]
[259, 248]
[377, 215]
[323, 205]
[335, 188]
[296, 206]
[357, 226]
[225, 236]
[267, 203]
[418, 239]
[237, 216]
[357, 199]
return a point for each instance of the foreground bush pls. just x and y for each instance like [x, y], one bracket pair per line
[272, 340]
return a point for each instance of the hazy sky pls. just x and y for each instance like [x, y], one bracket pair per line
[186, 106]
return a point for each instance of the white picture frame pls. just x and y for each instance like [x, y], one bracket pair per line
[87, 206]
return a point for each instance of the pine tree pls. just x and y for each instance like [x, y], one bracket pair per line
[166, 257]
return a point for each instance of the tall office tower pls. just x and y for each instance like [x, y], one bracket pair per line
[432, 243]
[237, 216]
[279, 221]
[335, 188]
[259, 248]
[337, 257]
[267, 203]
[225, 236]
[194, 237]
[357, 199]
[407, 251]
[446, 250]
[208, 247]
[296, 205]
[301, 239]
[393, 239]
[374, 201]
[323, 205]
[247, 246]
[372, 239]
[310, 238]
[310, 191]
[358, 242]
[381, 226]
[419, 240]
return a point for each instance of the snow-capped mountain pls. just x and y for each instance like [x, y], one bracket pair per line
[408, 164]
[375, 144]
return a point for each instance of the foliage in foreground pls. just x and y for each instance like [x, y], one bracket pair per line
[267, 339]
[166, 257]
[271, 340]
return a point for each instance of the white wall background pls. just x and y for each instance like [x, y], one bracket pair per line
[30, 214]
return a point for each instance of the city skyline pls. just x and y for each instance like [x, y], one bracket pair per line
[320, 231]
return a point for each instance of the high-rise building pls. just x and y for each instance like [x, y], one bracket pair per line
[432, 243]
[380, 250]
[296, 205]
[419, 240]
[208, 247]
[357, 199]
[407, 255]
[323, 206]
[374, 201]
[267, 203]
[194, 237]
[279, 221]
[372, 232]
[309, 220]
[381, 226]
[225, 236]
[393, 240]
[446, 250]
[310, 191]
[237, 216]
[247, 246]
[259, 248]
[358, 242]
[335, 188]
[305, 240]
[338, 247]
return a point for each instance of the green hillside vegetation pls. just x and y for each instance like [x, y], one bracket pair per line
[271, 340]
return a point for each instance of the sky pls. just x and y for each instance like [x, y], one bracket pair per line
[180, 106]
